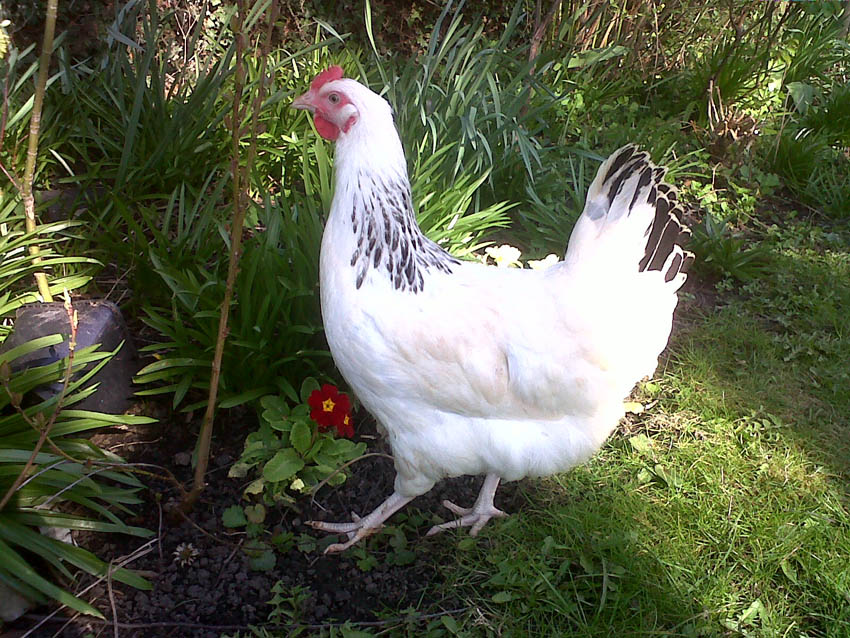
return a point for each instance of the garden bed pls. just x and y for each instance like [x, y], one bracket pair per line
[217, 591]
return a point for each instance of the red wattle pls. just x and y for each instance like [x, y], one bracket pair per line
[326, 129]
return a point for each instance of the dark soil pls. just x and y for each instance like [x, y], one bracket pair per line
[218, 593]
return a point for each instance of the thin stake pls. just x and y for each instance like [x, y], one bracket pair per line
[32, 149]
[240, 205]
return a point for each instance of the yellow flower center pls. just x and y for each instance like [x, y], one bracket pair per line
[347, 419]
[328, 405]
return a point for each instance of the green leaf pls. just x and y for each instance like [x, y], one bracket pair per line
[287, 389]
[243, 397]
[239, 470]
[263, 562]
[789, 570]
[803, 94]
[403, 557]
[502, 597]
[284, 464]
[450, 624]
[17, 567]
[255, 487]
[234, 516]
[670, 477]
[300, 436]
[308, 386]
[467, 543]
[31, 346]
[255, 513]
[43, 517]
[641, 443]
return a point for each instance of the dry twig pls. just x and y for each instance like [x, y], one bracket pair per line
[240, 201]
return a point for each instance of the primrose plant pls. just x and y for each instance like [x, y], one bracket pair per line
[298, 446]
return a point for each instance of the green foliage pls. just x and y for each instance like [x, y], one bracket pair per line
[812, 46]
[287, 604]
[289, 456]
[158, 144]
[831, 117]
[544, 223]
[137, 127]
[18, 70]
[449, 216]
[719, 251]
[289, 452]
[17, 266]
[72, 485]
[470, 111]
[275, 329]
[814, 170]
[465, 90]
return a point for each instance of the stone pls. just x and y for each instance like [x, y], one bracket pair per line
[12, 604]
[99, 322]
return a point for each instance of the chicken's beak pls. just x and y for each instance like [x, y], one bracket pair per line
[304, 102]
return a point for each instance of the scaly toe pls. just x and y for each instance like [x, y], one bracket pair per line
[336, 528]
[482, 520]
[476, 520]
[353, 538]
[457, 510]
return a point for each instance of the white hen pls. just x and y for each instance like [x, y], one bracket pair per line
[472, 369]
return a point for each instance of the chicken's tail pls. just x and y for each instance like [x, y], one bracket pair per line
[633, 218]
[626, 262]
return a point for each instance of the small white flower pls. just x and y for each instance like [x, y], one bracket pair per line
[185, 554]
[505, 255]
[542, 264]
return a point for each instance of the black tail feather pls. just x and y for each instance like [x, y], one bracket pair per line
[666, 231]
[632, 169]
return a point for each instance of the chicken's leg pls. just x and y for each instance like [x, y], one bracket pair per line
[476, 516]
[362, 527]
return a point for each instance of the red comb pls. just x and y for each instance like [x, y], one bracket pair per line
[328, 75]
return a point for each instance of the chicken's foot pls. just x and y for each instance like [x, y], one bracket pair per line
[361, 528]
[477, 515]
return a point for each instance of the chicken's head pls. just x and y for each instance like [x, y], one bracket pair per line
[342, 107]
[330, 101]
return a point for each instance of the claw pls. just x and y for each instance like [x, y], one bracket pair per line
[474, 517]
[360, 528]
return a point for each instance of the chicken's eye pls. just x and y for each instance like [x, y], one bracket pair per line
[333, 98]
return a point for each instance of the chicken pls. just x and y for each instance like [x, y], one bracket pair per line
[473, 369]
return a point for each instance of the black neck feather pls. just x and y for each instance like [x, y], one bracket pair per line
[389, 241]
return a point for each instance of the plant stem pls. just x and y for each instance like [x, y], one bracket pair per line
[32, 149]
[845, 26]
[540, 26]
[240, 204]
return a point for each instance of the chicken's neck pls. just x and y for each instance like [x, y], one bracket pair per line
[388, 241]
